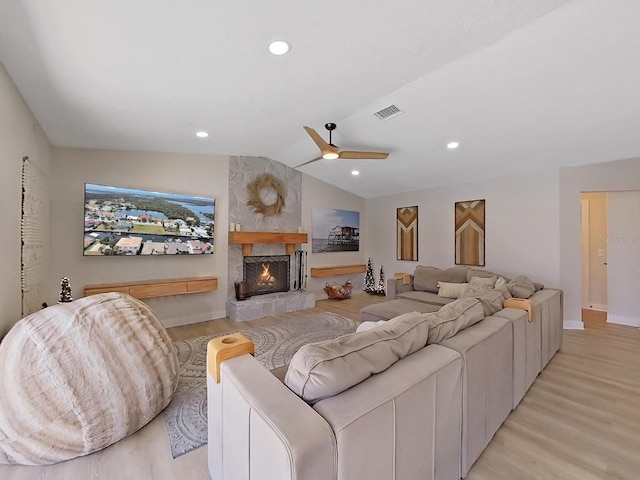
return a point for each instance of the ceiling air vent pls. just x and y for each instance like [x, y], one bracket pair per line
[388, 113]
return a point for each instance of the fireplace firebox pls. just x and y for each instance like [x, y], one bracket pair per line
[265, 274]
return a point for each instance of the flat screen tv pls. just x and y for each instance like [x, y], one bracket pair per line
[122, 221]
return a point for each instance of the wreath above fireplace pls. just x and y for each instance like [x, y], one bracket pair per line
[266, 195]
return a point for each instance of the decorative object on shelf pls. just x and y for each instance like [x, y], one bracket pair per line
[266, 195]
[339, 292]
[335, 230]
[369, 280]
[66, 295]
[469, 233]
[407, 233]
[381, 289]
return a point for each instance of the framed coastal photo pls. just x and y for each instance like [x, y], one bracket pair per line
[469, 233]
[407, 233]
[335, 230]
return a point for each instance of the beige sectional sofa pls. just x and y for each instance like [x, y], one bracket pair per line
[416, 397]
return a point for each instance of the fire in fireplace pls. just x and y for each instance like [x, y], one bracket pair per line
[266, 274]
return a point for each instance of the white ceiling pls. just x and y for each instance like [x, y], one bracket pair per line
[521, 85]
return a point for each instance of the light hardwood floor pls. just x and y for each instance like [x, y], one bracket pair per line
[580, 419]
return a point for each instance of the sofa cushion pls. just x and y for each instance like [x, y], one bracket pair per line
[450, 290]
[476, 272]
[393, 308]
[323, 369]
[478, 285]
[425, 297]
[492, 301]
[426, 278]
[453, 317]
[521, 287]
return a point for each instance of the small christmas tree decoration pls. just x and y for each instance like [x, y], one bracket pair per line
[65, 291]
[369, 280]
[381, 289]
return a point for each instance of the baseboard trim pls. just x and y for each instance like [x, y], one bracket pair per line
[622, 320]
[573, 325]
[196, 318]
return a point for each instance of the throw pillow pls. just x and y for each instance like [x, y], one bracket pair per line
[452, 318]
[425, 279]
[476, 272]
[450, 290]
[323, 369]
[364, 326]
[521, 287]
[478, 285]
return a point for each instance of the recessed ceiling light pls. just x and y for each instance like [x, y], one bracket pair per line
[202, 134]
[355, 172]
[452, 145]
[279, 47]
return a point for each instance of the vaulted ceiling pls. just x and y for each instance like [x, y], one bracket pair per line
[521, 85]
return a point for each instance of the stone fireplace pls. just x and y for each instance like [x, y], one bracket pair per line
[266, 274]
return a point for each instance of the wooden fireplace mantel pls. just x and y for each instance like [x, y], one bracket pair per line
[249, 239]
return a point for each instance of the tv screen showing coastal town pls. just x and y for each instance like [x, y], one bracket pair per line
[124, 221]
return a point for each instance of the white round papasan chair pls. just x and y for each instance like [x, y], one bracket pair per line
[79, 376]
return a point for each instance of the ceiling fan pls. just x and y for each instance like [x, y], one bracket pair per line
[330, 152]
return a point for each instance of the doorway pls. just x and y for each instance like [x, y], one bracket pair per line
[610, 247]
[594, 217]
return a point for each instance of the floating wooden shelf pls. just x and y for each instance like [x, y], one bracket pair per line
[249, 239]
[156, 288]
[323, 272]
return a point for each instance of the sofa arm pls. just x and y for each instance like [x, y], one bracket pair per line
[397, 285]
[259, 429]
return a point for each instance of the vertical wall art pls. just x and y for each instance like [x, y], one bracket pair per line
[407, 233]
[469, 218]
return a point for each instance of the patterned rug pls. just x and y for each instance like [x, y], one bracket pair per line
[186, 415]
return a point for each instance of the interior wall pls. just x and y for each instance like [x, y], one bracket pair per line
[521, 226]
[596, 254]
[318, 194]
[20, 135]
[623, 240]
[199, 175]
[613, 176]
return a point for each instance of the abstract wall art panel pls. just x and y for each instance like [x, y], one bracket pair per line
[469, 225]
[407, 233]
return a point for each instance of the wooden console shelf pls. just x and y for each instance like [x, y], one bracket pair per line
[248, 239]
[322, 272]
[156, 288]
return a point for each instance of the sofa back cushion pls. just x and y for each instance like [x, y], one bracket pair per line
[323, 369]
[426, 278]
[452, 318]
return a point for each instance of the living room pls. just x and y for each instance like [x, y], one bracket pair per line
[532, 215]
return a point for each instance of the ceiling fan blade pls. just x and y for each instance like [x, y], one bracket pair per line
[353, 155]
[324, 146]
[310, 161]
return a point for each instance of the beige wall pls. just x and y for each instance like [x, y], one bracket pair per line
[318, 194]
[200, 175]
[20, 135]
[522, 226]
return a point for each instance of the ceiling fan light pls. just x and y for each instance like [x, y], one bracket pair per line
[279, 47]
[330, 155]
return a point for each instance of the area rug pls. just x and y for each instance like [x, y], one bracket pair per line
[186, 415]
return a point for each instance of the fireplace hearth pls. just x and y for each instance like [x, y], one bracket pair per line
[265, 274]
